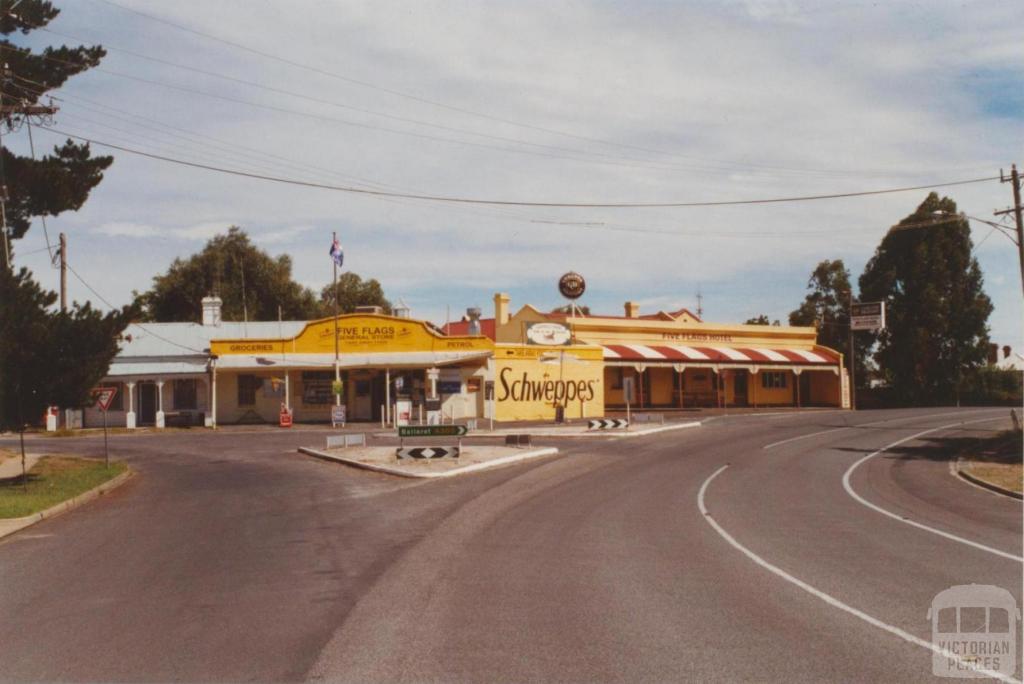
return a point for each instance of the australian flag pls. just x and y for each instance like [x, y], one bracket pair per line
[336, 253]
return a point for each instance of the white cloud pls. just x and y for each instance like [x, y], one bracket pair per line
[738, 100]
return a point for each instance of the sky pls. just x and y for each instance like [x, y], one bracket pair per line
[538, 102]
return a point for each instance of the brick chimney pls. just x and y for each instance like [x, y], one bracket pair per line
[501, 315]
[632, 310]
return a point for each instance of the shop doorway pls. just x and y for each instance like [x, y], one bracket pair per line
[362, 401]
[739, 387]
[147, 403]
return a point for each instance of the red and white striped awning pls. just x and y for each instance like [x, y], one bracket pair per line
[675, 353]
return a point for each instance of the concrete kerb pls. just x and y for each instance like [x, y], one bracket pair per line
[9, 526]
[984, 484]
[504, 460]
[557, 432]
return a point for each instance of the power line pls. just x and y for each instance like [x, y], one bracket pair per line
[454, 108]
[138, 325]
[516, 203]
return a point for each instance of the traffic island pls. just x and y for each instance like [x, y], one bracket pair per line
[384, 459]
[55, 484]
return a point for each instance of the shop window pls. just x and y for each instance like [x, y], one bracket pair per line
[247, 387]
[316, 388]
[616, 377]
[773, 379]
[185, 395]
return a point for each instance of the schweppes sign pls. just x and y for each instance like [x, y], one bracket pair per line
[516, 385]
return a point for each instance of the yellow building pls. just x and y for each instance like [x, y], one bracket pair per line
[676, 360]
[381, 361]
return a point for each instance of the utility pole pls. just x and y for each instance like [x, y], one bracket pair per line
[63, 273]
[1016, 210]
[853, 360]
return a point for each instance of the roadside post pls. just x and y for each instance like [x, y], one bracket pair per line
[627, 392]
[104, 397]
[863, 316]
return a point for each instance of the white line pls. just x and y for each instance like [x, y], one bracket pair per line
[873, 424]
[827, 598]
[797, 439]
[894, 516]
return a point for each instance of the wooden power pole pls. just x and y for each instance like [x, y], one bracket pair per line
[63, 273]
[1016, 210]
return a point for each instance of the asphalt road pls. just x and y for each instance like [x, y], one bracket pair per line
[232, 558]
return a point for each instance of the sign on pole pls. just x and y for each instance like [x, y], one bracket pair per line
[104, 397]
[432, 430]
[867, 316]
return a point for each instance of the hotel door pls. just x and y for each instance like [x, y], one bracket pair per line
[147, 403]
[739, 388]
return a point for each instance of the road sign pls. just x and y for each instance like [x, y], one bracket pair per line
[867, 316]
[427, 452]
[432, 430]
[104, 397]
[608, 424]
[338, 415]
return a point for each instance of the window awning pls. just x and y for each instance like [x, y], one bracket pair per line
[424, 359]
[762, 356]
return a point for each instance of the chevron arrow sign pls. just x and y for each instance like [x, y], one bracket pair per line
[427, 452]
[608, 423]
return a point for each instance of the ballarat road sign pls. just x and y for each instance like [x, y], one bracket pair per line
[432, 430]
[867, 316]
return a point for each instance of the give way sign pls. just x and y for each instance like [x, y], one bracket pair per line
[104, 397]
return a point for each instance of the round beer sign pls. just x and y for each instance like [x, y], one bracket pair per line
[572, 285]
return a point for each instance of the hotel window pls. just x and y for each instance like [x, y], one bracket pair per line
[185, 394]
[247, 386]
[773, 379]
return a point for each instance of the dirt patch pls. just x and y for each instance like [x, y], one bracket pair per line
[998, 461]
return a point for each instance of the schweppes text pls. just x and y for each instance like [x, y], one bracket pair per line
[525, 389]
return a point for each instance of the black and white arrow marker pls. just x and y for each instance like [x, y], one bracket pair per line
[428, 452]
[608, 423]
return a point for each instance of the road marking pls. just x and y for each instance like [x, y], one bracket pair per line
[894, 516]
[828, 598]
[872, 424]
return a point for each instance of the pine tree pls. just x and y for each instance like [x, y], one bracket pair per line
[62, 180]
[936, 309]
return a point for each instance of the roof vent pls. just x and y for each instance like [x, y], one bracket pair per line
[474, 320]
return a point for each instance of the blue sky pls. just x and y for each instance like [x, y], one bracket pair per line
[550, 102]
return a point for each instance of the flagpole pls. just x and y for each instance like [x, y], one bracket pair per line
[337, 364]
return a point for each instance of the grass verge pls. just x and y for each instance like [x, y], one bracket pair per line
[53, 479]
[999, 461]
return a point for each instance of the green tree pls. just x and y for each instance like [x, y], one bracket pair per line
[56, 182]
[249, 281]
[936, 310]
[826, 307]
[761, 320]
[49, 357]
[352, 291]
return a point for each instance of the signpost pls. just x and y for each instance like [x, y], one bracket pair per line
[627, 392]
[338, 415]
[432, 430]
[867, 316]
[104, 397]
